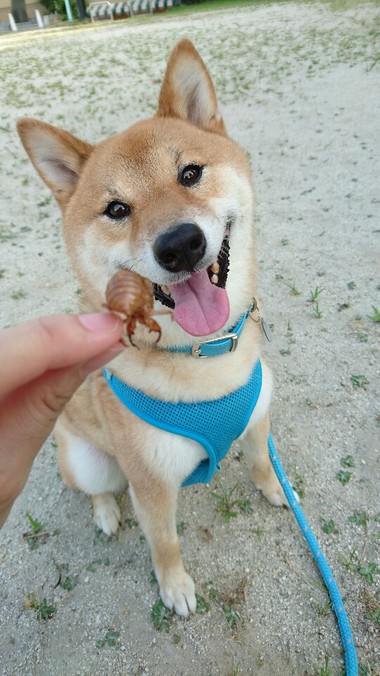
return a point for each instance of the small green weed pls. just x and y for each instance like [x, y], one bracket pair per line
[313, 301]
[17, 295]
[37, 535]
[373, 616]
[299, 484]
[347, 461]
[325, 670]
[314, 295]
[351, 285]
[369, 572]
[375, 317]
[2, 272]
[227, 503]
[160, 616]
[358, 518]
[363, 337]
[67, 582]
[359, 381]
[232, 616]
[203, 606]
[101, 537]
[329, 526]
[43, 609]
[181, 527]
[343, 476]
[92, 566]
[292, 288]
[111, 638]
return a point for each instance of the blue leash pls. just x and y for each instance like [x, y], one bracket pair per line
[350, 657]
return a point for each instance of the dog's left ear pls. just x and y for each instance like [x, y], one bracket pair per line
[187, 91]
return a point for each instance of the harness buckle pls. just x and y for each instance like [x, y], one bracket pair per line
[196, 349]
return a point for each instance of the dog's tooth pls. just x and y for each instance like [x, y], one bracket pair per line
[165, 289]
[215, 267]
[215, 279]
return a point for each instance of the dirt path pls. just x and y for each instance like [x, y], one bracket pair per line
[297, 87]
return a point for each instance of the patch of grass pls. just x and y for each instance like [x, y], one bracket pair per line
[37, 535]
[231, 614]
[44, 610]
[203, 606]
[347, 461]
[358, 518]
[101, 537]
[343, 476]
[92, 566]
[181, 527]
[313, 301]
[369, 571]
[111, 638]
[292, 288]
[325, 669]
[2, 273]
[375, 317]
[299, 484]
[329, 526]
[227, 504]
[351, 285]
[359, 381]
[67, 582]
[160, 616]
[18, 295]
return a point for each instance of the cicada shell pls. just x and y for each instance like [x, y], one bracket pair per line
[131, 297]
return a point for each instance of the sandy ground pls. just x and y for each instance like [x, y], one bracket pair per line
[297, 87]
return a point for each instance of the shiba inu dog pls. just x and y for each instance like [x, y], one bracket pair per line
[171, 199]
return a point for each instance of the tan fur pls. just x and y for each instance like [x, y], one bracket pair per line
[140, 167]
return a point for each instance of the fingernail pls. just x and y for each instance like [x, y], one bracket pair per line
[101, 360]
[99, 321]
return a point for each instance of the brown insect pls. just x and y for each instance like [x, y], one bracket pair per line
[130, 296]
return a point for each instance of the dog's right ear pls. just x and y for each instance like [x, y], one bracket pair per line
[58, 157]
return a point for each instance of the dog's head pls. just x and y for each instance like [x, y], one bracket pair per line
[169, 198]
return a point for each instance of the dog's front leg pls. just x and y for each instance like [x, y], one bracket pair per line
[155, 505]
[261, 469]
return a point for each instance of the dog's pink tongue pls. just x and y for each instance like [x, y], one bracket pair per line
[201, 308]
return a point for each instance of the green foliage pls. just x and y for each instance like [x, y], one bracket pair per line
[43, 609]
[58, 7]
[375, 317]
[160, 616]
[232, 616]
[358, 518]
[202, 605]
[329, 526]
[111, 639]
[343, 476]
[359, 381]
[227, 504]
[369, 572]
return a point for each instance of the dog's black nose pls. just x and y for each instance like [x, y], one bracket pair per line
[180, 248]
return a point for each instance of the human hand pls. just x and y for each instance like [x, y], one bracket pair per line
[42, 363]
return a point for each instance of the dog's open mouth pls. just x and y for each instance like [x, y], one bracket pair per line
[200, 303]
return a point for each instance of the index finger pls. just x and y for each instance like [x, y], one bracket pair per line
[32, 348]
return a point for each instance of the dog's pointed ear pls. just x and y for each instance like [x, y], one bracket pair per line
[58, 157]
[187, 91]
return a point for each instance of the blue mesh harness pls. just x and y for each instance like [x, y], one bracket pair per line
[214, 424]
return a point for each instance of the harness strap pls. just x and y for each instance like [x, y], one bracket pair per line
[214, 424]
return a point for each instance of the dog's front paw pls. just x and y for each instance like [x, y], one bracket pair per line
[178, 593]
[276, 496]
[270, 487]
[106, 513]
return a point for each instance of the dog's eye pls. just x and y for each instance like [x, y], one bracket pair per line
[117, 210]
[190, 175]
